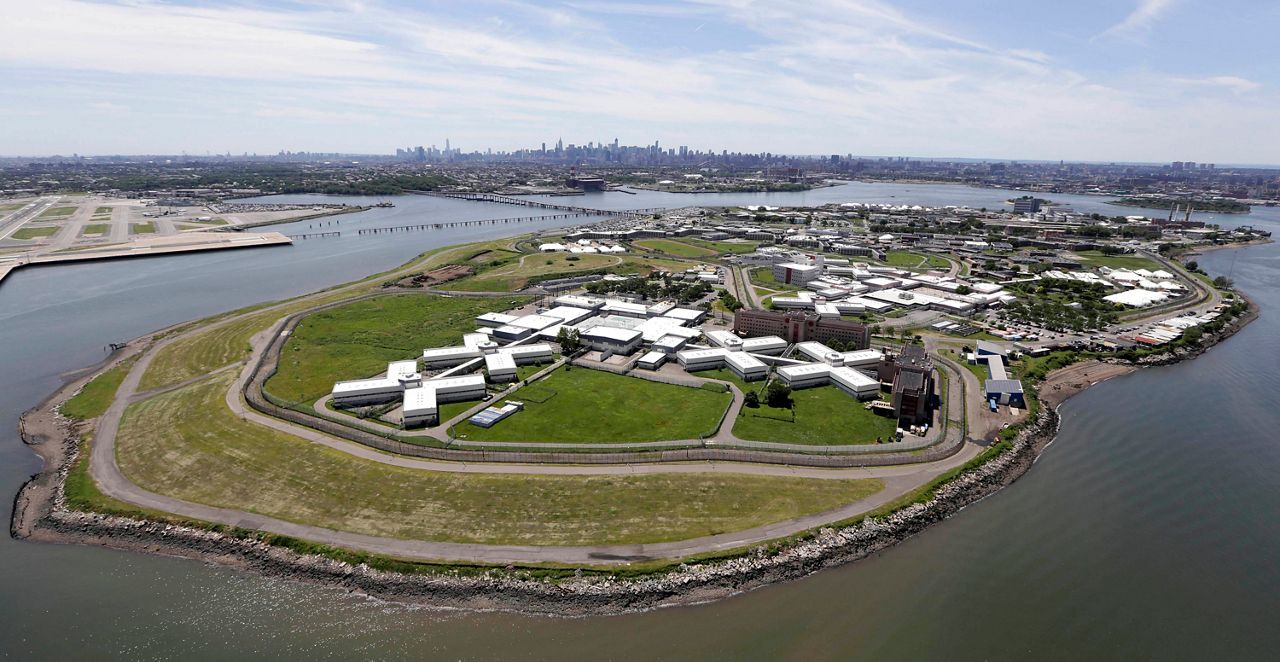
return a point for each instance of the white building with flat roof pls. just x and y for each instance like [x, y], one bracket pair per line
[500, 366]
[577, 301]
[651, 360]
[791, 273]
[419, 407]
[768, 345]
[687, 315]
[609, 338]
[805, 376]
[855, 383]
[746, 366]
[495, 320]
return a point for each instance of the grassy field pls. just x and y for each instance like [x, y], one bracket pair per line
[225, 344]
[6, 208]
[724, 246]
[92, 400]
[727, 375]
[1100, 259]
[186, 444]
[583, 405]
[824, 416]
[102, 211]
[909, 260]
[764, 276]
[678, 248]
[515, 274]
[34, 233]
[142, 228]
[57, 213]
[95, 229]
[358, 339]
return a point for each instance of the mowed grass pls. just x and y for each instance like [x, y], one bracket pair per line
[824, 416]
[57, 213]
[187, 445]
[909, 260]
[94, 398]
[357, 340]
[515, 274]
[724, 246]
[677, 248]
[142, 228]
[1100, 259]
[591, 406]
[34, 233]
[94, 229]
[224, 343]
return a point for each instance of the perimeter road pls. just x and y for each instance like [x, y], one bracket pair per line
[898, 480]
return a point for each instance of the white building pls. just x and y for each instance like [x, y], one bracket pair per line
[608, 338]
[791, 273]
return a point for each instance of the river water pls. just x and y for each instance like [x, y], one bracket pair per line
[1149, 529]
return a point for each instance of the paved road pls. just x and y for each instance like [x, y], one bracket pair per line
[899, 480]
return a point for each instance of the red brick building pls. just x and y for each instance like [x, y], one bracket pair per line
[798, 326]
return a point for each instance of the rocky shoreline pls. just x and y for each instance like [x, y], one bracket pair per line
[41, 514]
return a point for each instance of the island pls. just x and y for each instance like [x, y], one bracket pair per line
[1215, 205]
[659, 409]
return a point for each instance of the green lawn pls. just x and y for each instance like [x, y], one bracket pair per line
[34, 233]
[764, 276]
[58, 213]
[142, 228]
[909, 260]
[582, 405]
[1100, 259]
[727, 375]
[187, 444]
[725, 246]
[679, 248]
[824, 416]
[95, 229]
[104, 211]
[92, 400]
[515, 274]
[357, 340]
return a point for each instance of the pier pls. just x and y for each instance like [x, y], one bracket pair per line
[314, 235]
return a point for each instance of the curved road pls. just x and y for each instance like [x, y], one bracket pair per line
[898, 480]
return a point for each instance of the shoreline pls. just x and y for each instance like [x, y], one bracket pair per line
[41, 515]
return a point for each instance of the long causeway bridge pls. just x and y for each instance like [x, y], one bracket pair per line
[511, 200]
[484, 221]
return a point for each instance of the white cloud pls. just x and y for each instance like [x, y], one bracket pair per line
[1234, 84]
[1140, 20]
[794, 76]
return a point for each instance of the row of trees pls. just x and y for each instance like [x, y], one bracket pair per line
[653, 288]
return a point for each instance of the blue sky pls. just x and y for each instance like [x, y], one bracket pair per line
[1132, 80]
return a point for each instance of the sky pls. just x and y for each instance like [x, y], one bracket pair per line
[1095, 80]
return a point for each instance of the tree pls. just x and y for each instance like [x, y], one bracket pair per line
[751, 399]
[1193, 266]
[778, 395]
[963, 290]
[1223, 283]
[568, 340]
